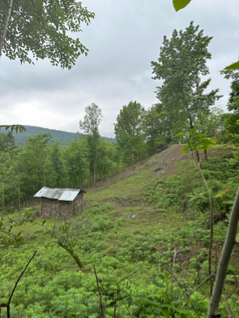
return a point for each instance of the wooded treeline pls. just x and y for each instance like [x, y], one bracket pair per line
[24, 170]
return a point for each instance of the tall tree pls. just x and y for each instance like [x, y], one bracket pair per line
[7, 141]
[15, 173]
[129, 131]
[180, 4]
[108, 159]
[36, 151]
[42, 27]
[157, 128]
[181, 63]
[76, 162]
[231, 123]
[90, 125]
[56, 164]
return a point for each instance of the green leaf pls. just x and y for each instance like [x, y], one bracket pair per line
[183, 316]
[180, 4]
[165, 311]
[17, 128]
[159, 284]
[234, 66]
[182, 310]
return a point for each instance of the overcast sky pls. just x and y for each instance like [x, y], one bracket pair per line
[123, 39]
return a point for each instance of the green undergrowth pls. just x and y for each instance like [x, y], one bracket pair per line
[150, 246]
[147, 266]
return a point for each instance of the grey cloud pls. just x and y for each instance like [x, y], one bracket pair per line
[123, 39]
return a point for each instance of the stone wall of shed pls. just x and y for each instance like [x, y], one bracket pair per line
[65, 209]
[78, 203]
[51, 208]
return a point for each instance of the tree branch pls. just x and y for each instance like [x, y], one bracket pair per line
[5, 26]
[20, 277]
[125, 305]
[14, 288]
[186, 294]
[204, 281]
[101, 304]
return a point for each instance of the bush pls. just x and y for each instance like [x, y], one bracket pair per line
[99, 209]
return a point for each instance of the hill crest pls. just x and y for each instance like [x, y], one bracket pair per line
[63, 137]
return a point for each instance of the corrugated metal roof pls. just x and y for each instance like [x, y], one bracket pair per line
[58, 194]
[69, 195]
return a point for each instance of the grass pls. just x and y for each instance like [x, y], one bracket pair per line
[132, 187]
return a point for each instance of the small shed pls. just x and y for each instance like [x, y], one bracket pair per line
[60, 203]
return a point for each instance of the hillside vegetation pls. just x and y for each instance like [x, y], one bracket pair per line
[148, 241]
[150, 265]
[63, 137]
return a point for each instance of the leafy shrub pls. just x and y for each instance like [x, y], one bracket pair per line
[102, 225]
[174, 191]
[220, 170]
[32, 236]
[99, 209]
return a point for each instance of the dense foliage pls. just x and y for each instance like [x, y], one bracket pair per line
[24, 170]
[129, 132]
[164, 267]
[43, 28]
[181, 65]
[233, 104]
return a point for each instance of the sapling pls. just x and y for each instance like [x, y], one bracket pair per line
[196, 142]
[224, 260]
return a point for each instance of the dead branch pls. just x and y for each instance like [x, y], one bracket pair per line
[125, 305]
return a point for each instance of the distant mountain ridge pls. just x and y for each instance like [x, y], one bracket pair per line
[58, 135]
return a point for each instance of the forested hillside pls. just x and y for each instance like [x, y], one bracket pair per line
[63, 137]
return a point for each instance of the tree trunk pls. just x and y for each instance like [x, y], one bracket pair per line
[210, 248]
[132, 154]
[5, 25]
[94, 171]
[205, 154]
[224, 260]
[191, 126]
[71, 252]
[3, 199]
[197, 155]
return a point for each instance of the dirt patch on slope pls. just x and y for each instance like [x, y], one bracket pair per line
[165, 161]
